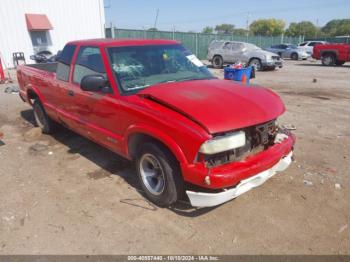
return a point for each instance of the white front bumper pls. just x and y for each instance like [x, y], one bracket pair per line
[199, 199]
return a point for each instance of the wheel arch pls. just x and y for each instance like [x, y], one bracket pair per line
[32, 94]
[254, 57]
[329, 52]
[137, 135]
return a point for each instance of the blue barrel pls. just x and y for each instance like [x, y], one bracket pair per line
[238, 74]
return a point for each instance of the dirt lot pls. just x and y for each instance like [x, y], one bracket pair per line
[63, 194]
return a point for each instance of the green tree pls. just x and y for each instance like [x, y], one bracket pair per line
[208, 30]
[240, 32]
[305, 28]
[337, 27]
[224, 29]
[267, 27]
[152, 29]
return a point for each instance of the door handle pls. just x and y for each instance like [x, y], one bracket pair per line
[70, 92]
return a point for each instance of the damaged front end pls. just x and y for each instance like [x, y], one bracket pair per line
[257, 139]
[241, 164]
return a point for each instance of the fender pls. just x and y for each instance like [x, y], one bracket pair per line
[156, 134]
[333, 51]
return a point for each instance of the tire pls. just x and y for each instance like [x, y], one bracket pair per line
[42, 120]
[217, 61]
[328, 59]
[339, 63]
[256, 62]
[294, 56]
[159, 174]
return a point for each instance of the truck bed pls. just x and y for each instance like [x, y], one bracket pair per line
[48, 67]
[35, 76]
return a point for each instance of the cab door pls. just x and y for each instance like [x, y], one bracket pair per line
[227, 52]
[96, 112]
[62, 85]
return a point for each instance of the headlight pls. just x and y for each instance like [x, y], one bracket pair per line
[268, 58]
[223, 143]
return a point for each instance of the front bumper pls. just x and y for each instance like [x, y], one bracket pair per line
[272, 64]
[304, 56]
[199, 199]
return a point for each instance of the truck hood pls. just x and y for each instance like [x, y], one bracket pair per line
[217, 105]
[259, 53]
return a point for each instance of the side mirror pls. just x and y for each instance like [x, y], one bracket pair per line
[95, 83]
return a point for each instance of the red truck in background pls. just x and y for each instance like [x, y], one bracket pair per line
[155, 103]
[332, 54]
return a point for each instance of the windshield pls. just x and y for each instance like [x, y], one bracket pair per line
[137, 67]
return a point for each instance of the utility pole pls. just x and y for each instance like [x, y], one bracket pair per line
[247, 25]
[316, 27]
[156, 20]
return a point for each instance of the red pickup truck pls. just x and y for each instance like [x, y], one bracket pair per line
[332, 54]
[155, 103]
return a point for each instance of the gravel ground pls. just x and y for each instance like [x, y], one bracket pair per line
[63, 194]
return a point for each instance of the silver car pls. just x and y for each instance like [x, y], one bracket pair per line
[289, 51]
[221, 52]
[308, 46]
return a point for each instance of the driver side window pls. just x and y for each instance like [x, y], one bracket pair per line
[89, 62]
[228, 46]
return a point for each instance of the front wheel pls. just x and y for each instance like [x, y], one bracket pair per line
[256, 63]
[217, 62]
[42, 120]
[294, 56]
[159, 174]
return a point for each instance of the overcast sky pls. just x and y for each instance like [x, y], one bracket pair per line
[193, 15]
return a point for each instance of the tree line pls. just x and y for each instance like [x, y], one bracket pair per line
[276, 27]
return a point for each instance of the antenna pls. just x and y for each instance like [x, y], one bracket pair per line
[156, 20]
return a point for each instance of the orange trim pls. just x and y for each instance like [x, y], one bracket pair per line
[38, 22]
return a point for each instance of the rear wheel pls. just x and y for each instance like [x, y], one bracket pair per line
[217, 62]
[294, 56]
[42, 120]
[256, 63]
[159, 174]
[328, 60]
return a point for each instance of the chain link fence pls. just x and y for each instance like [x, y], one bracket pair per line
[198, 42]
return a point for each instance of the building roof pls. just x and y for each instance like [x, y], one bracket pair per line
[108, 42]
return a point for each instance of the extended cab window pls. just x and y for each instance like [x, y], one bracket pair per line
[89, 62]
[64, 60]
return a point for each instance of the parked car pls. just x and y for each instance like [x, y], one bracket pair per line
[332, 54]
[44, 57]
[221, 52]
[156, 104]
[308, 46]
[288, 51]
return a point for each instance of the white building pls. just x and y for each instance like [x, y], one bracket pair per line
[30, 26]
